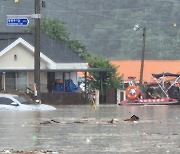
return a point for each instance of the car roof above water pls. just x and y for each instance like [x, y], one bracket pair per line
[7, 95]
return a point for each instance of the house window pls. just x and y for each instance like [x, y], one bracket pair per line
[16, 81]
[59, 75]
[15, 57]
[50, 81]
[10, 81]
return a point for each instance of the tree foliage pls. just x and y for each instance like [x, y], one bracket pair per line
[108, 29]
[55, 29]
[106, 26]
[110, 77]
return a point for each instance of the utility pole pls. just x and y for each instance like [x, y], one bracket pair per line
[136, 28]
[142, 56]
[37, 89]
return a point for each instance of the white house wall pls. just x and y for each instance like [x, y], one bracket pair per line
[20, 58]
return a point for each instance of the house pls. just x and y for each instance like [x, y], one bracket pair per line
[57, 62]
[131, 68]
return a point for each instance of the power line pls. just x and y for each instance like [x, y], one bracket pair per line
[11, 7]
[73, 10]
[89, 11]
[148, 38]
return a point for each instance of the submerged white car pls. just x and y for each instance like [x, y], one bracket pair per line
[15, 102]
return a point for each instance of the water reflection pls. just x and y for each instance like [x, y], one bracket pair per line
[81, 129]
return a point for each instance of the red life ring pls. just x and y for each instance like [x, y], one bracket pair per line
[132, 92]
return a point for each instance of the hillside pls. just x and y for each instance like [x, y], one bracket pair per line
[106, 26]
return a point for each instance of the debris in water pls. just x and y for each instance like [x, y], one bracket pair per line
[49, 122]
[88, 140]
[133, 118]
[12, 151]
[45, 122]
[79, 122]
[55, 121]
[112, 121]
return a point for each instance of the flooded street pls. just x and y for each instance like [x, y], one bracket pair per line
[83, 130]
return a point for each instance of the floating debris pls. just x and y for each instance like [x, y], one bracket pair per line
[133, 118]
[88, 140]
[45, 122]
[78, 122]
[11, 151]
[55, 121]
[49, 122]
[112, 121]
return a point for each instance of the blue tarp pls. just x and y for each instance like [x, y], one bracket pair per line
[58, 87]
[69, 86]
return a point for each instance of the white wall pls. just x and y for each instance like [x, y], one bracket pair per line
[24, 59]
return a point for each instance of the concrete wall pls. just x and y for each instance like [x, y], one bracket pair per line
[64, 98]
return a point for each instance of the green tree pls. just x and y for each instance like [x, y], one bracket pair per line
[55, 29]
[110, 78]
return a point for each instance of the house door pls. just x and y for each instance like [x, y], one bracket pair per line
[10, 81]
[21, 81]
[50, 81]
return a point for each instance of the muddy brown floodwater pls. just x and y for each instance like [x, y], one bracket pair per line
[84, 130]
